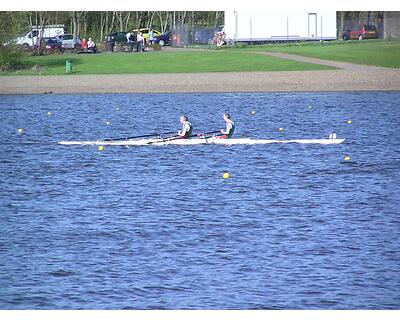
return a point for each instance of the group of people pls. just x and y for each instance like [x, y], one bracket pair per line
[187, 128]
[139, 39]
[89, 45]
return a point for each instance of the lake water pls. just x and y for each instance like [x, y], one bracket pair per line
[157, 227]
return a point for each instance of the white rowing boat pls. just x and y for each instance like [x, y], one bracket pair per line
[196, 141]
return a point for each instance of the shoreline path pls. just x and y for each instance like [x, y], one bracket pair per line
[348, 77]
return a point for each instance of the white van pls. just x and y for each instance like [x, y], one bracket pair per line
[31, 38]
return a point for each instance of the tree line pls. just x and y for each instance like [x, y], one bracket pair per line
[346, 19]
[97, 24]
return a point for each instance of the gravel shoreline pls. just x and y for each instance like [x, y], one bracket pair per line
[334, 80]
[348, 77]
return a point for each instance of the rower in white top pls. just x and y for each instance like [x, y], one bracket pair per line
[187, 128]
[229, 129]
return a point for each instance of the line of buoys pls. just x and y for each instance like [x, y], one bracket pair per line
[226, 174]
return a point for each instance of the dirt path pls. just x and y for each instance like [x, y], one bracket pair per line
[335, 64]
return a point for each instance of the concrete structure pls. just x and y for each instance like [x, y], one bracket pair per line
[256, 26]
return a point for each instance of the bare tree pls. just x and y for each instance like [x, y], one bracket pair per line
[102, 24]
[127, 20]
[164, 21]
[123, 17]
[341, 23]
[112, 22]
[43, 17]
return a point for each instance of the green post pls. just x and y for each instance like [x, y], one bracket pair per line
[68, 66]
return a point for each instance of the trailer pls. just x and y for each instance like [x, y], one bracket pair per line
[279, 26]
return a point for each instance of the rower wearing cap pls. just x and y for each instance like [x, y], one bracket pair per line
[230, 127]
[186, 131]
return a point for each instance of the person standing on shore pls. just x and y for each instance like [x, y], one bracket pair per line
[229, 129]
[151, 37]
[129, 41]
[140, 41]
[187, 128]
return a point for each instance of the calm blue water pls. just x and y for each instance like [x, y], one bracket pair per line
[152, 227]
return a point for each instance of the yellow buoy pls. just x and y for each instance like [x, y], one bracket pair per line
[101, 148]
[226, 175]
[253, 112]
[49, 113]
[349, 121]
[281, 129]
[20, 131]
[347, 158]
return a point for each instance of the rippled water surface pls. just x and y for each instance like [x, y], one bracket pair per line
[157, 227]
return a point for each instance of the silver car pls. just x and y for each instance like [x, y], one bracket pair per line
[67, 41]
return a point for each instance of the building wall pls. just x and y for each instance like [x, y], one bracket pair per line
[279, 25]
[391, 25]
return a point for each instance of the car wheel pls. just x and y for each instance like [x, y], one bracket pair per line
[25, 46]
[161, 43]
[360, 37]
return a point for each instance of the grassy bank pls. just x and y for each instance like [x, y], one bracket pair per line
[369, 52]
[161, 62]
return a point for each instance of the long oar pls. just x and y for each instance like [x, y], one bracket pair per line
[137, 137]
[205, 133]
[179, 137]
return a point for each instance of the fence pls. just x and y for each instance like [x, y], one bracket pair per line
[185, 35]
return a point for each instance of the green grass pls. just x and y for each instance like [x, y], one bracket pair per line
[162, 62]
[369, 52]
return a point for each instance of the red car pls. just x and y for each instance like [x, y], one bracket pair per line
[360, 32]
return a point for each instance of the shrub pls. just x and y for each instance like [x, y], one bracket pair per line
[10, 58]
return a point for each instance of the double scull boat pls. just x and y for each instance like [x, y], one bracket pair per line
[196, 141]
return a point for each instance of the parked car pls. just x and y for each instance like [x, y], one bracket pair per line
[67, 41]
[53, 43]
[145, 33]
[164, 39]
[360, 32]
[117, 37]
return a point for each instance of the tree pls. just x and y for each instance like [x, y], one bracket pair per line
[341, 23]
